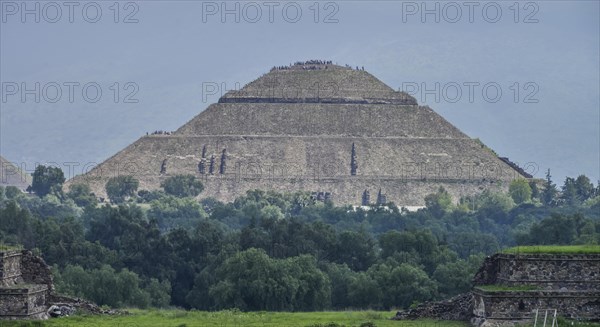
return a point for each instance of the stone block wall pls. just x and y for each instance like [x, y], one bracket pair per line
[34, 270]
[10, 268]
[23, 301]
[569, 283]
[26, 285]
[565, 282]
[521, 305]
[547, 271]
[405, 169]
[544, 271]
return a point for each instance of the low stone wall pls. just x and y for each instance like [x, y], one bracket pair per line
[550, 271]
[521, 305]
[24, 301]
[10, 268]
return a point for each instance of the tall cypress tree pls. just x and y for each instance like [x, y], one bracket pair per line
[550, 191]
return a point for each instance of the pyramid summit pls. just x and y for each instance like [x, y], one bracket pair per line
[335, 131]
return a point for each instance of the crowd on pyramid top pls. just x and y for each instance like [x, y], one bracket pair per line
[313, 62]
[311, 65]
[160, 132]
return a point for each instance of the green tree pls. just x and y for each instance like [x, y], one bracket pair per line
[182, 186]
[495, 202]
[356, 249]
[16, 225]
[438, 203]
[121, 187]
[556, 230]
[160, 293]
[82, 195]
[549, 192]
[340, 276]
[535, 191]
[453, 278]
[584, 188]
[520, 191]
[250, 280]
[12, 192]
[172, 212]
[47, 179]
[104, 286]
[401, 284]
[364, 292]
[569, 192]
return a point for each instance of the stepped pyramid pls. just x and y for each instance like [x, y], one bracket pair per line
[317, 127]
[11, 175]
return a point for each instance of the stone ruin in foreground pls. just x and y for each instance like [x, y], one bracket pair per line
[509, 288]
[315, 127]
[569, 283]
[25, 285]
[27, 289]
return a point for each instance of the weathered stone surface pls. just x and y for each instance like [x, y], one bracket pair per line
[459, 307]
[565, 282]
[521, 305]
[550, 271]
[23, 301]
[331, 84]
[34, 270]
[293, 129]
[27, 289]
[569, 283]
[10, 268]
[488, 272]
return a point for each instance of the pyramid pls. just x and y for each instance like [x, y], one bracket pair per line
[12, 175]
[335, 131]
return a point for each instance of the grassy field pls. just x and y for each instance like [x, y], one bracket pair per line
[554, 249]
[181, 318]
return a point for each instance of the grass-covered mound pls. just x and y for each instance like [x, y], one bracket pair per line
[555, 249]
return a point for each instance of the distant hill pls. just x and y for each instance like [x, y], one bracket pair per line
[12, 175]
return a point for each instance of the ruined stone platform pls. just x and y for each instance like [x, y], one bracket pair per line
[25, 284]
[23, 301]
[509, 288]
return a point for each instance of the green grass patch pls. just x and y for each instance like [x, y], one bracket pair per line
[235, 318]
[562, 321]
[504, 288]
[554, 249]
[576, 323]
[6, 247]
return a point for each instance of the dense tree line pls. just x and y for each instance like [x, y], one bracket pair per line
[272, 251]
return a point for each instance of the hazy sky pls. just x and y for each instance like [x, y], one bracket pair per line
[542, 56]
